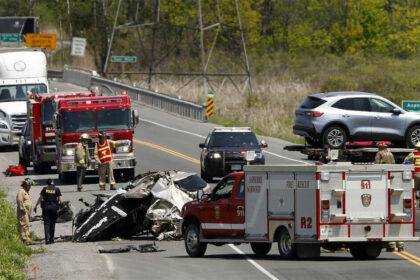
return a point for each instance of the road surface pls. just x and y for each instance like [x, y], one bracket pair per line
[165, 142]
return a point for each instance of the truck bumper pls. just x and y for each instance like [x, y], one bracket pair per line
[8, 138]
[364, 239]
[126, 161]
[47, 153]
[220, 168]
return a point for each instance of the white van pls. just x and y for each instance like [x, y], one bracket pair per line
[22, 71]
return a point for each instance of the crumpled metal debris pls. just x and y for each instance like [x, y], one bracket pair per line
[65, 213]
[144, 248]
[150, 203]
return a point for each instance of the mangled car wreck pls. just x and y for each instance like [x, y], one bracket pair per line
[151, 203]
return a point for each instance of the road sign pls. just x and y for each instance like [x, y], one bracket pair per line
[38, 40]
[410, 105]
[9, 37]
[124, 58]
[210, 104]
[78, 46]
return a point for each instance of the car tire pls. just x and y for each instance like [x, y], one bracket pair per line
[413, 136]
[286, 248]
[261, 249]
[335, 137]
[205, 176]
[193, 246]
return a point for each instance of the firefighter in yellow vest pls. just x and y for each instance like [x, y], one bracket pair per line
[384, 156]
[23, 209]
[103, 156]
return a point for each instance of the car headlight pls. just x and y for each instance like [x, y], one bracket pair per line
[68, 151]
[216, 156]
[123, 146]
[3, 125]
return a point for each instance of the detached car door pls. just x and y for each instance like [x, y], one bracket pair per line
[386, 125]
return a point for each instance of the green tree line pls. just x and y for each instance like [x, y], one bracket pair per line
[340, 27]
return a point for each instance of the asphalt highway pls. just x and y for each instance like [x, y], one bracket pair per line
[165, 142]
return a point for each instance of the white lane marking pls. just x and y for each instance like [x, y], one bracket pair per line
[203, 137]
[174, 129]
[254, 263]
[109, 263]
[277, 155]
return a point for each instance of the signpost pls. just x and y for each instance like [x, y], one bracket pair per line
[38, 40]
[78, 46]
[410, 105]
[9, 38]
[124, 58]
[210, 104]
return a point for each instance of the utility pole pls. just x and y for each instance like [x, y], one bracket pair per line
[112, 37]
[156, 4]
[203, 52]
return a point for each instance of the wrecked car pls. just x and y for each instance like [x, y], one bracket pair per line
[151, 203]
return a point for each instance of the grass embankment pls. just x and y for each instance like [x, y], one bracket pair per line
[13, 253]
[281, 82]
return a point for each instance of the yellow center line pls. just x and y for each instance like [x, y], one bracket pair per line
[404, 255]
[167, 150]
[412, 260]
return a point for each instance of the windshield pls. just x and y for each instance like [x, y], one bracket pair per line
[234, 139]
[191, 183]
[20, 92]
[113, 119]
[47, 112]
[78, 121]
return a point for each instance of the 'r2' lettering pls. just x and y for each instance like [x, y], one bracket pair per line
[305, 222]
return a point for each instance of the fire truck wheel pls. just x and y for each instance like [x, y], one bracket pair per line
[287, 249]
[358, 252]
[261, 249]
[194, 247]
[42, 168]
[23, 161]
[373, 251]
[66, 177]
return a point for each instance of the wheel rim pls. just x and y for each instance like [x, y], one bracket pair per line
[285, 243]
[335, 137]
[192, 240]
[415, 136]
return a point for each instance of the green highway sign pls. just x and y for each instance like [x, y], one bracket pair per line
[410, 105]
[124, 58]
[9, 37]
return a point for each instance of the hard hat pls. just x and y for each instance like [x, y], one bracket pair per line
[418, 145]
[382, 144]
[84, 136]
[102, 134]
[28, 182]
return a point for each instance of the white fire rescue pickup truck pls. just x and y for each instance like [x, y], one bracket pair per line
[304, 208]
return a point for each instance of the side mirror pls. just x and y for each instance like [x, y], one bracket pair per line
[263, 144]
[201, 145]
[136, 117]
[396, 111]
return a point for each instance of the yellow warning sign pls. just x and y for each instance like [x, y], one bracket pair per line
[210, 106]
[44, 40]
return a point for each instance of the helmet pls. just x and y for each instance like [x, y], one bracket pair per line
[27, 182]
[102, 134]
[84, 136]
[418, 145]
[382, 144]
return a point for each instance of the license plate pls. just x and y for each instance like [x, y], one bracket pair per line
[236, 167]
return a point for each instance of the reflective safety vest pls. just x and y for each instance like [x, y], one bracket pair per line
[104, 152]
[416, 161]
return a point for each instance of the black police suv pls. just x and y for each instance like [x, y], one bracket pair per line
[227, 150]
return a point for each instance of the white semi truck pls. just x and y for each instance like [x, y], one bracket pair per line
[22, 71]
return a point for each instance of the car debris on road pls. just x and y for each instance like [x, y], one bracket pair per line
[143, 248]
[151, 203]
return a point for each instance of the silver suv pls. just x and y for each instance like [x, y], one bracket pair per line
[334, 118]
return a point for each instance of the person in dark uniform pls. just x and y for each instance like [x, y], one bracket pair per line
[49, 198]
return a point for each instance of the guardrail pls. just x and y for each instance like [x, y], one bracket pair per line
[55, 74]
[87, 78]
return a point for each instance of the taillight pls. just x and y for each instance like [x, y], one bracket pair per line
[408, 205]
[314, 114]
[325, 210]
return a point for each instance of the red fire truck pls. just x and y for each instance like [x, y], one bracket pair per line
[112, 114]
[305, 207]
[38, 143]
